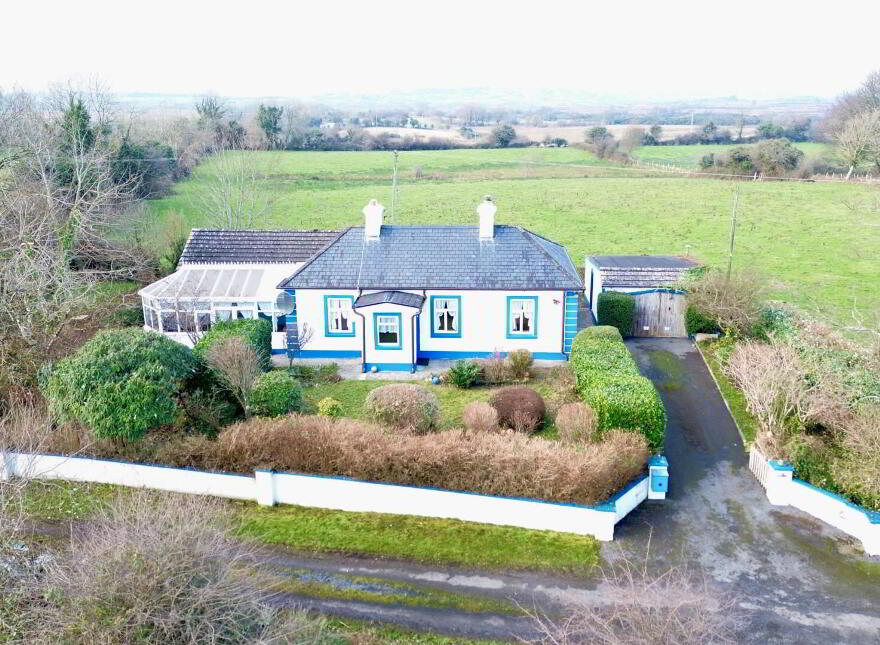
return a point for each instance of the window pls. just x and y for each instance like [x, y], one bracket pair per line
[338, 317]
[522, 317]
[446, 316]
[169, 321]
[387, 331]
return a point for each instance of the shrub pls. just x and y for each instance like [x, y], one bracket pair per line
[608, 380]
[258, 333]
[329, 407]
[520, 408]
[479, 417]
[495, 369]
[491, 463]
[734, 303]
[404, 406]
[234, 363]
[696, 322]
[520, 363]
[464, 374]
[616, 309]
[577, 423]
[326, 373]
[121, 383]
[276, 393]
[631, 402]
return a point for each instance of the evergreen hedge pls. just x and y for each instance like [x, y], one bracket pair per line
[608, 380]
[696, 322]
[617, 310]
[121, 383]
[276, 393]
[258, 333]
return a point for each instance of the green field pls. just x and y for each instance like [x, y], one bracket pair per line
[817, 243]
[689, 156]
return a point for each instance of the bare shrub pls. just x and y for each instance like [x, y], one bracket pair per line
[520, 408]
[236, 364]
[520, 364]
[404, 406]
[479, 417]
[502, 463]
[671, 607]
[859, 469]
[160, 570]
[577, 423]
[495, 369]
[734, 302]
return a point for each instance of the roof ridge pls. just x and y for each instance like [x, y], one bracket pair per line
[530, 235]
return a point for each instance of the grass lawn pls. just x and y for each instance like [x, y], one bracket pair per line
[352, 395]
[817, 243]
[431, 540]
[736, 400]
[689, 156]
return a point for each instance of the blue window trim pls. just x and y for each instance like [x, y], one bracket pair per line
[444, 334]
[399, 330]
[337, 334]
[534, 333]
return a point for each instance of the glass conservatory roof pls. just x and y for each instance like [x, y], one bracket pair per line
[248, 282]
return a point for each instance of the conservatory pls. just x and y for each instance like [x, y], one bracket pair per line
[184, 304]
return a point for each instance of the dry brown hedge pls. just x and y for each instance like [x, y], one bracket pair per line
[504, 463]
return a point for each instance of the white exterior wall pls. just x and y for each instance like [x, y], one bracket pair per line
[483, 324]
[591, 272]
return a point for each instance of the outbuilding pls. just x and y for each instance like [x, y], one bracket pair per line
[653, 280]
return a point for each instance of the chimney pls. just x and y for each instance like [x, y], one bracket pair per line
[373, 213]
[486, 211]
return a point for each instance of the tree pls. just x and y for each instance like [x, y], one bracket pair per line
[769, 131]
[502, 136]
[632, 138]
[596, 134]
[656, 131]
[210, 109]
[858, 140]
[269, 118]
[236, 365]
[232, 195]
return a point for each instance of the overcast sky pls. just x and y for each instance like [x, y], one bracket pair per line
[659, 50]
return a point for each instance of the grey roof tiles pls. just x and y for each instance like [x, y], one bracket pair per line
[439, 257]
[391, 297]
[648, 271]
[212, 246]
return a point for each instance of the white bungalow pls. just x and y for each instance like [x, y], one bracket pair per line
[393, 297]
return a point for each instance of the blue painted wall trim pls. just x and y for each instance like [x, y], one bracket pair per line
[441, 355]
[389, 367]
[329, 353]
[534, 334]
[444, 334]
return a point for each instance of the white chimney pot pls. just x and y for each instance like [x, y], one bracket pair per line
[373, 214]
[486, 210]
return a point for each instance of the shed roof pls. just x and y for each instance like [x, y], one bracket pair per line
[641, 271]
[439, 257]
[214, 246]
[391, 297]
[641, 262]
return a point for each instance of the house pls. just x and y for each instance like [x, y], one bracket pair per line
[226, 274]
[652, 280]
[391, 296]
[396, 296]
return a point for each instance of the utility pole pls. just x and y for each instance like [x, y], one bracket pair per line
[393, 188]
[732, 232]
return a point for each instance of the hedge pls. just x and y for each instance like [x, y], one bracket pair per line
[616, 309]
[121, 383]
[257, 332]
[696, 322]
[276, 393]
[609, 381]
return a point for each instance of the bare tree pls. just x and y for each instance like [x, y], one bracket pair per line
[236, 364]
[858, 140]
[734, 301]
[233, 196]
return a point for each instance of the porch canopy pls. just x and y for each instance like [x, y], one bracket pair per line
[195, 295]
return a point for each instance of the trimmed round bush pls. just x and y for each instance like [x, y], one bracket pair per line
[258, 333]
[276, 393]
[329, 407]
[520, 408]
[122, 383]
[577, 423]
[463, 374]
[404, 406]
[616, 309]
[479, 417]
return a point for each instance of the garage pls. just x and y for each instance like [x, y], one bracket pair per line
[652, 280]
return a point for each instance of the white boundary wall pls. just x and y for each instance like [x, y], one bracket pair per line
[784, 490]
[268, 488]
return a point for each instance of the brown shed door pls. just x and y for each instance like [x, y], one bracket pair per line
[659, 313]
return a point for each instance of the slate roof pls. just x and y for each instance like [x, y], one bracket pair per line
[213, 246]
[439, 257]
[647, 271]
[393, 297]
